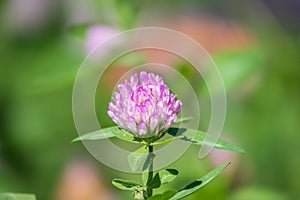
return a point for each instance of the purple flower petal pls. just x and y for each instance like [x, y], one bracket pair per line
[142, 128]
[145, 109]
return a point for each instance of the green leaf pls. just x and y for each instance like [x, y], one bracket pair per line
[124, 135]
[137, 158]
[11, 196]
[145, 176]
[183, 120]
[155, 182]
[198, 137]
[105, 133]
[167, 141]
[99, 134]
[126, 184]
[168, 175]
[165, 196]
[199, 183]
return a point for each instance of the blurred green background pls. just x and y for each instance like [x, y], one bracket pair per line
[255, 44]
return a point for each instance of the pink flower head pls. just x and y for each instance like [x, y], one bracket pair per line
[144, 106]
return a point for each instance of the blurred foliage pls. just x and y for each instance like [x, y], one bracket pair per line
[37, 70]
[11, 196]
[256, 193]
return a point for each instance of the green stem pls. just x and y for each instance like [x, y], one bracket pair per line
[150, 175]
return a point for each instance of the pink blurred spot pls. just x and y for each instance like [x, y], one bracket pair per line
[96, 35]
[81, 181]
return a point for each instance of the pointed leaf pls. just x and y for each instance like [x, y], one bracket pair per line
[196, 185]
[105, 133]
[145, 176]
[168, 175]
[137, 158]
[167, 141]
[155, 182]
[126, 184]
[99, 134]
[165, 196]
[124, 135]
[198, 137]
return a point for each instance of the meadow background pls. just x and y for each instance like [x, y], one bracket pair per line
[255, 44]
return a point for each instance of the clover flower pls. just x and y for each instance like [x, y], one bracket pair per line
[144, 105]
